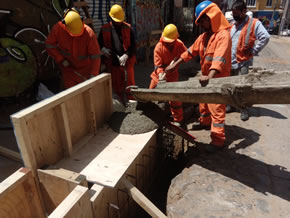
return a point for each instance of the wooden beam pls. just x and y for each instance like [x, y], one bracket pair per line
[57, 184]
[141, 199]
[68, 147]
[80, 4]
[10, 154]
[75, 205]
[19, 196]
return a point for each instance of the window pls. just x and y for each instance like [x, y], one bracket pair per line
[251, 3]
[269, 3]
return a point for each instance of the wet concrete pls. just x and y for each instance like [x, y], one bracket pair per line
[131, 121]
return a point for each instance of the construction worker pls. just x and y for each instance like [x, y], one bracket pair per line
[75, 48]
[168, 49]
[249, 37]
[118, 48]
[214, 49]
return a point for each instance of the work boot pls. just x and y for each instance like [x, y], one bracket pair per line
[199, 126]
[244, 114]
[213, 148]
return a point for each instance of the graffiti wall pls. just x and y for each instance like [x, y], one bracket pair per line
[24, 26]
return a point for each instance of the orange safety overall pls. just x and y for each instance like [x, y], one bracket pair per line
[246, 41]
[118, 72]
[162, 58]
[82, 52]
[216, 55]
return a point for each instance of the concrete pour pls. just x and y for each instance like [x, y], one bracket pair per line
[131, 121]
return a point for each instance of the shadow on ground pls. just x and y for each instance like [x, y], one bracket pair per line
[265, 112]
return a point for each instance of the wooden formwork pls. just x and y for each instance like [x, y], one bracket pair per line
[76, 160]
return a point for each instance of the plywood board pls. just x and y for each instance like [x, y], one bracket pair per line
[19, 197]
[57, 184]
[107, 156]
[50, 129]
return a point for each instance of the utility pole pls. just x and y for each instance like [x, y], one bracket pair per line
[284, 16]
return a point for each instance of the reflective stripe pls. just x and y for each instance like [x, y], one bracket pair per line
[205, 115]
[189, 52]
[95, 56]
[50, 46]
[83, 57]
[65, 53]
[221, 59]
[218, 124]
[248, 32]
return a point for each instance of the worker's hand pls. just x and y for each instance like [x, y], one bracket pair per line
[107, 52]
[65, 63]
[123, 59]
[162, 76]
[203, 80]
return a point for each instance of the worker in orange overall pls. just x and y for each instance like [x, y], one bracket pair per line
[75, 48]
[214, 49]
[168, 49]
[118, 48]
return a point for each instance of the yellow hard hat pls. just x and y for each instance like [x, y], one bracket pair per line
[117, 13]
[170, 33]
[73, 22]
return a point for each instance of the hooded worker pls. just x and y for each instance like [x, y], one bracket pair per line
[74, 47]
[118, 48]
[168, 49]
[214, 49]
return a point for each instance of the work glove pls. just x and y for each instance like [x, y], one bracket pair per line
[123, 59]
[162, 76]
[65, 63]
[107, 52]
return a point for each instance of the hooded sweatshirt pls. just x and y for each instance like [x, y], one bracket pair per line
[217, 53]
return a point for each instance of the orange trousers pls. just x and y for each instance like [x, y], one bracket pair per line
[214, 115]
[175, 106]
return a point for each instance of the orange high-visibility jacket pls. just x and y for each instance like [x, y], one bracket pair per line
[83, 52]
[217, 54]
[163, 57]
[126, 38]
[246, 40]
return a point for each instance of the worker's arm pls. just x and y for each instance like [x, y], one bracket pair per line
[51, 44]
[262, 36]
[104, 51]
[94, 54]
[205, 79]
[159, 66]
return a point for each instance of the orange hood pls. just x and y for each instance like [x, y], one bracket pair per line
[217, 19]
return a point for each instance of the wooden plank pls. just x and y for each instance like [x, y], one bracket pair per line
[19, 197]
[141, 199]
[109, 154]
[57, 184]
[68, 147]
[60, 97]
[10, 154]
[75, 205]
